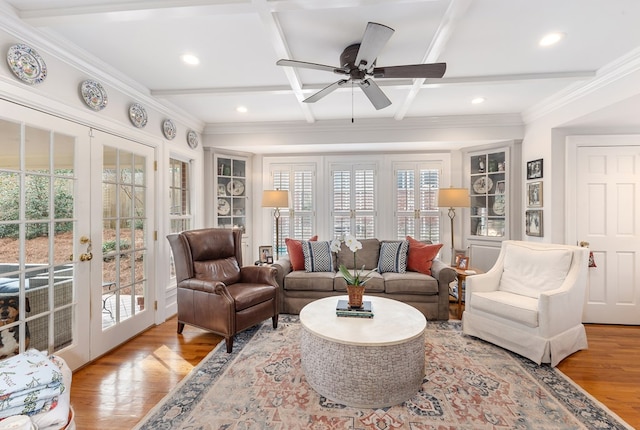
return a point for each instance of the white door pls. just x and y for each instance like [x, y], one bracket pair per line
[122, 216]
[44, 211]
[607, 210]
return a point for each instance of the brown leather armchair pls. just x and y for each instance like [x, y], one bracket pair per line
[214, 292]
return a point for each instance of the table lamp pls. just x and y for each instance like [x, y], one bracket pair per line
[453, 198]
[276, 199]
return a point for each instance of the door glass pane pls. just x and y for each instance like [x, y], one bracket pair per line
[35, 248]
[37, 149]
[123, 246]
[10, 137]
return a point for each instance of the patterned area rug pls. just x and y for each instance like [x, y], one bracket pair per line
[468, 384]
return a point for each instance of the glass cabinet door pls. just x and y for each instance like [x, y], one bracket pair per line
[231, 193]
[488, 192]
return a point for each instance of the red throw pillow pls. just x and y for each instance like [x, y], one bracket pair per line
[294, 248]
[421, 255]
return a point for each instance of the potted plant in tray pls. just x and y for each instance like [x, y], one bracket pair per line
[357, 279]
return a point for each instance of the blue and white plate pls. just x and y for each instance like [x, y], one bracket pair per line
[138, 115]
[169, 129]
[26, 64]
[94, 94]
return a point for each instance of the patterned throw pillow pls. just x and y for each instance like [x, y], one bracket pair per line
[393, 257]
[317, 256]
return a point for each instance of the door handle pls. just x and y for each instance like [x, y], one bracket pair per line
[87, 256]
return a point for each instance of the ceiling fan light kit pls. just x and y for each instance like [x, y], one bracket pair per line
[358, 62]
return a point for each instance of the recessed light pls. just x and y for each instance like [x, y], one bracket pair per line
[478, 100]
[552, 38]
[190, 59]
[242, 109]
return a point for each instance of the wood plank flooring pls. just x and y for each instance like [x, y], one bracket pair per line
[117, 390]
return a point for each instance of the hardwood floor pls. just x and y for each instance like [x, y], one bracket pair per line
[117, 390]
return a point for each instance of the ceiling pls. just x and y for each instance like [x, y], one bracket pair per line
[490, 47]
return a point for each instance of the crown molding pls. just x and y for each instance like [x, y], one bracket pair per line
[77, 58]
[368, 124]
[608, 74]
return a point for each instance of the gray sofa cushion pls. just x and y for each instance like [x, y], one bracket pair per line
[410, 283]
[368, 255]
[300, 280]
[373, 285]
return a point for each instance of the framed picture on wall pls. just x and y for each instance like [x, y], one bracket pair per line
[534, 169]
[533, 223]
[534, 194]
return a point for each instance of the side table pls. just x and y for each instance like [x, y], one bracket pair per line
[462, 276]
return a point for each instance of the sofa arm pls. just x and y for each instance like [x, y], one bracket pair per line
[283, 268]
[444, 273]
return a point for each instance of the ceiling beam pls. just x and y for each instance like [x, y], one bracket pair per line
[279, 43]
[455, 11]
[387, 83]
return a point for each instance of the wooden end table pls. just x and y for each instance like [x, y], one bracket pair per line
[462, 276]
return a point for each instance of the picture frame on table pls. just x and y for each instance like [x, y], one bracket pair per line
[462, 262]
[266, 253]
[534, 169]
[534, 194]
[534, 223]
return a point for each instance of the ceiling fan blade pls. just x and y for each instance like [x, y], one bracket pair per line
[434, 70]
[375, 37]
[306, 65]
[325, 91]
[374, 94]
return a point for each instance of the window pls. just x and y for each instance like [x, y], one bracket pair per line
[353, 200]
[180, 214]
[416, 211]
[298, 221]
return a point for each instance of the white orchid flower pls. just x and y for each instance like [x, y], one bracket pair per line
[335, 245]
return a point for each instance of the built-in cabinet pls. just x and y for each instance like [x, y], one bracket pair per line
[493, 177]
[228, 202]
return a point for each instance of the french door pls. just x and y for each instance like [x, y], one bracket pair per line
[66, 252]
[122, 194]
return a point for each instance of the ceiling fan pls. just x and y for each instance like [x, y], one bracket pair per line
[358, 63]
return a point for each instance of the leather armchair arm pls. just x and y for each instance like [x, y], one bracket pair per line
[202, 285]
[258, 275]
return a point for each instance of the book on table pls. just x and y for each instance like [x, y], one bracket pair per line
[344, 310]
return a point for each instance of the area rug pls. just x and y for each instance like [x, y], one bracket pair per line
[468, 384]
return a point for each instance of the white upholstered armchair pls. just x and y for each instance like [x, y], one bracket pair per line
[531, 301]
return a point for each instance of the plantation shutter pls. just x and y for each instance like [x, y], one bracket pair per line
[353, 200]
[298, 221]
[416, 211]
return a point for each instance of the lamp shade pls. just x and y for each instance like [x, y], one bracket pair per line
[275, 199]
[453, 198]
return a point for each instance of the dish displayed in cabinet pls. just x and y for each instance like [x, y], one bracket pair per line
[235, 187]
[224, 208]
[482, 185]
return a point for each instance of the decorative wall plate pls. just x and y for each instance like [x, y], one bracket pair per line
[93, 94]
[224, 208]
[482, 185]
[169, 129]
[192, 139]
[138, 115]
[235, 187]
[26, 64]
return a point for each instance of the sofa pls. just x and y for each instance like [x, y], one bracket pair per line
[423, 283]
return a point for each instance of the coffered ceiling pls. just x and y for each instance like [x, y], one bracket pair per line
[490, 47]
